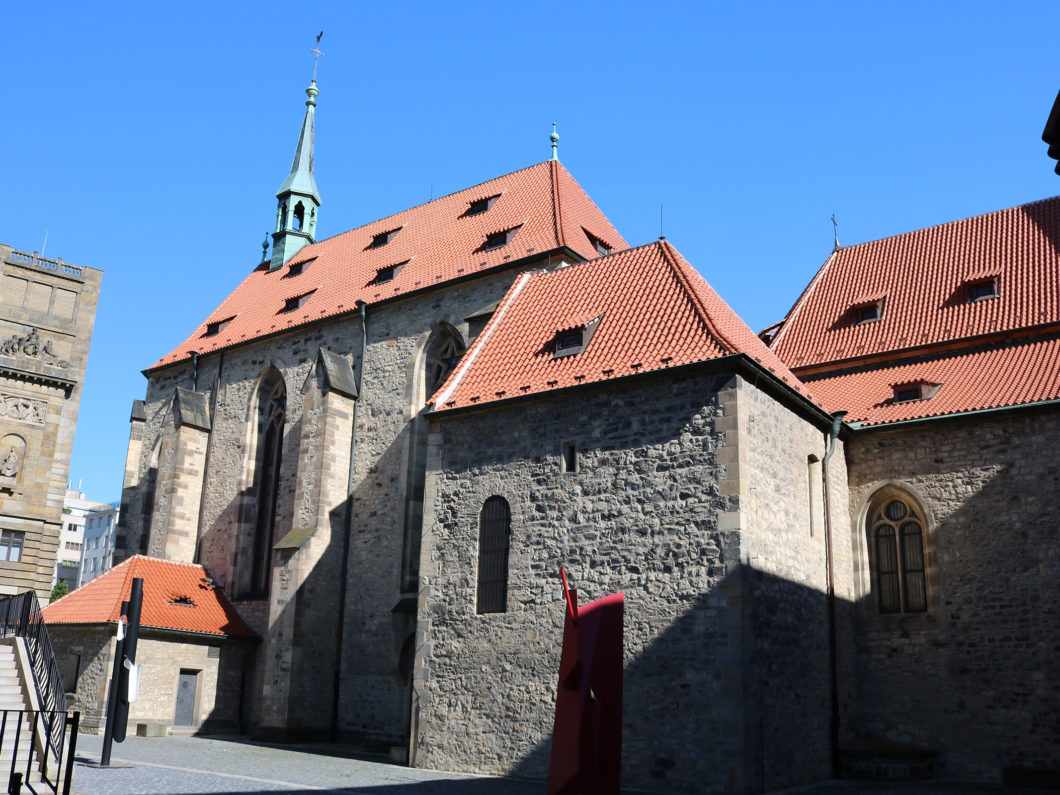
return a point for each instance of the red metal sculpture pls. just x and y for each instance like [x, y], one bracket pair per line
[587, 734]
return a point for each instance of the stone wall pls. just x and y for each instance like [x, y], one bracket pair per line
[656, 509]
[219, 688]
[374, 683]
[976, 676]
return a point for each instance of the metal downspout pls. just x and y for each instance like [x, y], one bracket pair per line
[833, 665]
[348, 530]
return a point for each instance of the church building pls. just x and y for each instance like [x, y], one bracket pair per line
[836, 539]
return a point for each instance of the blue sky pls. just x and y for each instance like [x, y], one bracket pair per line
[148, 140]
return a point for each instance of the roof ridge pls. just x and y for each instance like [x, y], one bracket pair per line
[803, 296]
[697, 303]
[557, 204]
[950, 223]
[418, 206]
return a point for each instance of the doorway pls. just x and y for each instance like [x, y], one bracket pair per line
[187, 687]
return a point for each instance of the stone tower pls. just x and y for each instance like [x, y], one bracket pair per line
[298, 200]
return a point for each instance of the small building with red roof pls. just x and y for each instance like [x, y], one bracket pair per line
[192, 647]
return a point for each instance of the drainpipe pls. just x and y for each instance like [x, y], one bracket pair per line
[833, 666]
[347, 529]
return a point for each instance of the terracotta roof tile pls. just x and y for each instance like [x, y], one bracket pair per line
[923, 275]
[1013, 375]
[656, 312]
[165, 581]
[438, 241]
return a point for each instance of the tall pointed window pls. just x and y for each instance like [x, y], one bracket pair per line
[897, 533]
[272, 410]
[494, 532]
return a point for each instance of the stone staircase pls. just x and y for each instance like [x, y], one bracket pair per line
[14, 698]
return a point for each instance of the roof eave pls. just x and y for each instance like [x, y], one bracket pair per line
[859, 427]
[355, 312]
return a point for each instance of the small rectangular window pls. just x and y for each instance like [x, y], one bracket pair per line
[499, 239]
[384, 275]
[866, 314]
[296, 302]
[217, 326]
[601, 247]
[569, 457]
[983, 288]
[11, 542]
[483, 205]
[382, 238]
[298, 268]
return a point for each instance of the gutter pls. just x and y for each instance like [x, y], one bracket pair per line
[859, 427]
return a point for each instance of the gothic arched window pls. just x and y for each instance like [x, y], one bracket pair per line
[494, 531]
[896, 532]
[271, 412]
[444, 350]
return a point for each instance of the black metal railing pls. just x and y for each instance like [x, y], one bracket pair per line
[20, 616]
[18, 730]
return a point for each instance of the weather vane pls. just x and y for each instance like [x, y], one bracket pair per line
[316, 55]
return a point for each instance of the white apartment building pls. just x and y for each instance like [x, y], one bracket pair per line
[97, 553]
[72, 536]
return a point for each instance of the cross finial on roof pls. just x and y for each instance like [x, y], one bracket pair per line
[316, 55]
[835, 231]
[555, 142]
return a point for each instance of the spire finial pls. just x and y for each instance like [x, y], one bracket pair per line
[555, 142]
[316, 55]
[835, 231]
[265, 248]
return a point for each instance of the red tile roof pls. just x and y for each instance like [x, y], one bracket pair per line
[1013, 375]
[439, 241]
[921, 277]
[656, 312]
[165, 581]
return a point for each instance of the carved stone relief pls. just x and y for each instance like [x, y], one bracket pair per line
[23, 409]
[32, 346]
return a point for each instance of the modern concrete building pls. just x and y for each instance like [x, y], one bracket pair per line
[97, 555]
[69, 556]
[47, 308]
[836, 541]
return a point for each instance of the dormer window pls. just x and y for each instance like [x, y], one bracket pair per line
[914, 390]
[215, 327]
[387, 274]
[483, 205]
[574, 339]
[298, 268]
[499, 239]
[980, 289]
[296, 302]
[601, 247]
[867, 310]
[381, 239]
[182, 600]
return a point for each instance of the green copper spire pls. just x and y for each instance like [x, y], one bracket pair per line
[296, 211]
[555, 142]
[300, 180]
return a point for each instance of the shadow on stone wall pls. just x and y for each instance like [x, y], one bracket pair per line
[703, 711]
[975, 678]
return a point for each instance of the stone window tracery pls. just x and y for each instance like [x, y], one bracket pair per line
[495, 523]
[271, 413]
[896, 531]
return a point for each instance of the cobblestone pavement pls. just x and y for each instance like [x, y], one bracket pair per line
[198, 766]
[195, 765]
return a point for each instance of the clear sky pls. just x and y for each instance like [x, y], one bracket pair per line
[149, 139]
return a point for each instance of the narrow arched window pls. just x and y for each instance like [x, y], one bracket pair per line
[299, 216]
[494, 531]
[897, 530]
[272, 409]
